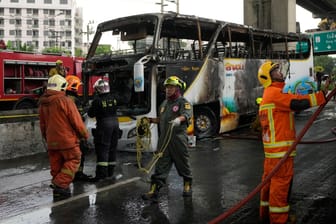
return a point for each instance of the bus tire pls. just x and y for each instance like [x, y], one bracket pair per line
[205, 122]
[25, 103]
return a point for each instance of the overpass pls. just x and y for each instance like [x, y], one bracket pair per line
[280, 16]
[319, 8]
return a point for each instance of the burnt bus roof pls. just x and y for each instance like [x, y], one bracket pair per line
[187, 26]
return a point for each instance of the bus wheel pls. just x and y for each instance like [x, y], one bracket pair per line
[205, 122]
[25, 103]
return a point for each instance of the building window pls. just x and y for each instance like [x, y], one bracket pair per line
[29, 11]
[45, 11]
[14, 1]
[47, 1]
[68, 33]
[35, 12]
[29, 22]
[2, 11]
[16, 33]
[30, 1]
[19, 33]
[35, 23]
[52, 22]
[35, 33]
[68, 12]
[63, 2]
[18, 22]
[29, 32]
[2, 21]
[2, 33]
[36, 44]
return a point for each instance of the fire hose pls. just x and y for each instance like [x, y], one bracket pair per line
[235, 208]
[143, 142]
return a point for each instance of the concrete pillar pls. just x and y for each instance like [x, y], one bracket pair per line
[278, 15]
[257, 13]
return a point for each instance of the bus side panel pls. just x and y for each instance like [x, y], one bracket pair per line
[240, 88]
[300, 79]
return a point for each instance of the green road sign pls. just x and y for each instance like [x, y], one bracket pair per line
[325, 41]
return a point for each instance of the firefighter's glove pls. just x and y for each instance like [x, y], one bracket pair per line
[176, 122]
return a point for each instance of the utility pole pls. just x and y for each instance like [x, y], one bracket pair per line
[88, 32]
[162, 5]
[177, 2]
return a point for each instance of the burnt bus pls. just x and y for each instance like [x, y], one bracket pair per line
[218, 60]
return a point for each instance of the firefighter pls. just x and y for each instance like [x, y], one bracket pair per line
[72, 91]
[106, 134]
[62, 128]
[59, 69]
[276, 114]
[175, 112]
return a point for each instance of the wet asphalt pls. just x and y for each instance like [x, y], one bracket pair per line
[225, 169]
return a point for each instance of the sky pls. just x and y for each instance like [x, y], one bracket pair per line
[98, 11]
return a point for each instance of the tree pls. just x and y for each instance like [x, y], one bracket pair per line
[327, 62]
[103, 49]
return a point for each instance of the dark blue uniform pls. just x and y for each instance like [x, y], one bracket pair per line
[106, 135]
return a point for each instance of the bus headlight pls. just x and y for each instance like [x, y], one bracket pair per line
[132, 133]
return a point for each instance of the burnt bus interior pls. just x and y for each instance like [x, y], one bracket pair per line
[174, 41]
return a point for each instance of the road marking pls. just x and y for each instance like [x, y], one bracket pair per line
[26, 215]
[86, 194]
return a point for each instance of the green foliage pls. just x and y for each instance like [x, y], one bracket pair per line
[23, 47]
[52, 50]
[327, 62]
[103, 49]
[78, 52]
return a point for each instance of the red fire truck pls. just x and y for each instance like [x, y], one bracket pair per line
[24, 75]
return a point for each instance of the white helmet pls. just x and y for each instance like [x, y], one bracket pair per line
[57, 82]
[102, 86]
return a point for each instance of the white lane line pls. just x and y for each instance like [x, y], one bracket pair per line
[36, 212]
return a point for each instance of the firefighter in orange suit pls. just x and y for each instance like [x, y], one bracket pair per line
[276, 114]
[62, 127]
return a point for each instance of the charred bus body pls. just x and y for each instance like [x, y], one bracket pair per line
[218, 61]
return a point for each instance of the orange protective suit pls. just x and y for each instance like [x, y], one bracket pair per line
[276, 114]
[62, 127]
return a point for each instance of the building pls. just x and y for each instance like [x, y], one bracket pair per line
[42, 24]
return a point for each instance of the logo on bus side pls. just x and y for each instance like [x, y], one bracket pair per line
[234, 67]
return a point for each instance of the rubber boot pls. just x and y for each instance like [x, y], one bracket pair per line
[101, 174]
[60, 193]
[80, 176]
[152, 194]
[187, 190]
[110, 170]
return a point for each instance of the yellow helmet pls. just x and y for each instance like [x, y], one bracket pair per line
[57, 82]
[264, 73]
[175, 81]
[59, 62]
[73, 83]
